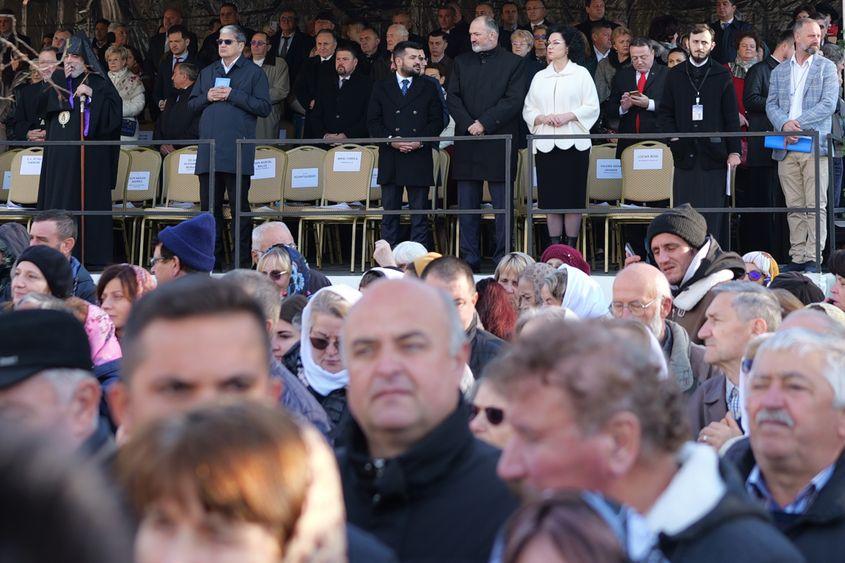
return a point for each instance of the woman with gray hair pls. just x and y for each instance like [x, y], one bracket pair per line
[130, 88]
[528, 288]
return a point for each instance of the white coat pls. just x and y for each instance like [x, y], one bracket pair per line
[551, 92]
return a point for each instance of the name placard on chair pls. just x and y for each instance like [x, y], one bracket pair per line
[7, 179]
[31, 164]
[187, 163]
[347, 161]
[648, 159]
[264, 168]
[302, 178]
[139, 180]
[608, 169]
[374, 178]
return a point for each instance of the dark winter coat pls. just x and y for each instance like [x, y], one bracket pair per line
[342, 110]
[416, 114]
[489, 87]
[707, 404]
[754, 98]
[230, 119]
[625, 80]
[483, 347]
[819, 533]
[721, 113]
[439, 501]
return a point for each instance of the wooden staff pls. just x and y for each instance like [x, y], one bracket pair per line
[82, 170]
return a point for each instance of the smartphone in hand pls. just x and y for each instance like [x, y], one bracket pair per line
[629, 250]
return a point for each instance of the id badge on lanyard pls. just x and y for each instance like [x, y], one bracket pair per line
[698, 107]
[697, 111]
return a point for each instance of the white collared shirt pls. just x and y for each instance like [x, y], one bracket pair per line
[226, 69]
[798, 79]
[400, 78]
[541, 23]
[324, 59]
[693, 63]
[259, 62]
[600, 55]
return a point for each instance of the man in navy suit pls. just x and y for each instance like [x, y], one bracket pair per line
[290, 44]
[727, 29]
[179, 51]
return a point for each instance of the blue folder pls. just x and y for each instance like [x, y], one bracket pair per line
[804, 144]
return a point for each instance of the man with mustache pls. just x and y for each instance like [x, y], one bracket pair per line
[803, 95]
[792, 463]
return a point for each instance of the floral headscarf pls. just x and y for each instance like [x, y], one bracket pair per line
[299, 270]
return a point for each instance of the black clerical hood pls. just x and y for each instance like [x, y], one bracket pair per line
[79, 45]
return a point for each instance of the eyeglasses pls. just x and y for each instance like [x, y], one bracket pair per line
[635, 307]
[320, 343]
[225, 41]
[495, 416]
[155, 260]
[538, 37]
[275, 275]
[754, 276]
[257, 43]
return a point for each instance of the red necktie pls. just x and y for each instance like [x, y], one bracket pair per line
[640, 88]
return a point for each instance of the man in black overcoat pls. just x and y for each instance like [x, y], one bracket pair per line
[699, 97]
[636, 113]
[158, 45]
[290, 44]
[60, 184]
[405, 104]
[179, 51]
[316, 72]
[486, 94]
[340, 111]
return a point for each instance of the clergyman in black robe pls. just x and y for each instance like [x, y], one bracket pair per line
[61, 181]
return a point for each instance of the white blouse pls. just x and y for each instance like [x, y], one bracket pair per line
[551, 92]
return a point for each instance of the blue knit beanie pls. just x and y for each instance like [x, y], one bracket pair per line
[192, 241]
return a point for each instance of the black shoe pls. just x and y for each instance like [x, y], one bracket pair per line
[572, 241]
[554, 240]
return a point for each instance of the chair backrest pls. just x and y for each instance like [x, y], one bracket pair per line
[26, 173]
[144, 175]
[604, 179]
[375, 188]
[304, 174]
[348, 171]
[6, 171]
[180, 182]
[270, 167]
[122, 175]
[648, 170]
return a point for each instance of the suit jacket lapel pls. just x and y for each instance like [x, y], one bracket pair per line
[811, 72]
[396, 92]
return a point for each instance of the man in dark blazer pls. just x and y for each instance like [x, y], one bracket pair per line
[158, 45]
[727, 29]
[486, 94]
[228, 16]
[179, 51]
[762, 189]
[290, 43]
[317, 71]
[405, 104]
[699, 97]
[177, 120]
[636, 113]
[340, 110]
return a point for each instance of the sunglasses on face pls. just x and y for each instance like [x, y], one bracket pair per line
[225, 41]
[494, 416]
[275, 275]
[320, 343]
[754, 275]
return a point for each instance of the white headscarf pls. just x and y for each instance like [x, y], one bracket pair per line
[583, 295]
[322, 381]
[389, 273]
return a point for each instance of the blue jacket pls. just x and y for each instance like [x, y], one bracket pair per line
[232, 119]
[83, 283]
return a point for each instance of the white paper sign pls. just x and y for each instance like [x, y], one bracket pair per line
[145, 135]
[138, 180]
[347, 161]
[31, 165]
[187, 163]
[608, 169]
[648, 159]
[7, 179]
[302, 178]
[264, 168]
[374, 178]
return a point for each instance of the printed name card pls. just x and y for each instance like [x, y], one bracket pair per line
[7, 179]
[138, 180]
[31, 165]
[187, 163]
[608, 169]
[347, 161]
[145, 136]
[264, 168]
[302, 178]
[374, 178]
[648, 159]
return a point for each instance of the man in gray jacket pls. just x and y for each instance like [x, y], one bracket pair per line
[802, 95]
[642, 293]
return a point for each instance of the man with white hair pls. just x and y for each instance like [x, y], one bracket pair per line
[792, 462]
[46, 384]
[272, 233]
[642, 292]
[739, 312]
[486, 94]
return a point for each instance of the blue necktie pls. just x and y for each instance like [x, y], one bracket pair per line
[405, 84]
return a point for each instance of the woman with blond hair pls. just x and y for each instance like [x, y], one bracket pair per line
[130, 88]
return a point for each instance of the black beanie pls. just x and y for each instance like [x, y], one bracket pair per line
[682, 221]
[54, 266]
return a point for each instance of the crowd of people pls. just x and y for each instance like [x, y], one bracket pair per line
[693, 414]
[507, 71]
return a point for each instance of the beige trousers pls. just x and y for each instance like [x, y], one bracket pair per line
[797, 174]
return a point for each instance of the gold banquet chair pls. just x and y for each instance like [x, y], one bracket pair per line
[640, 185]
[6, 171]
[141, 189]
[303, 185]
[182, 188]
[601, 192]
[23, 191]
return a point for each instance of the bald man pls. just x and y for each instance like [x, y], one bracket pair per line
[641, 292]
[405, 351]
[272, 233]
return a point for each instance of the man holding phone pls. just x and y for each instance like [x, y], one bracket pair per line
[231, 94]
[635, 93]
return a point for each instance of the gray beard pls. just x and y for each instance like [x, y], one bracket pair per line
[811, 50]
